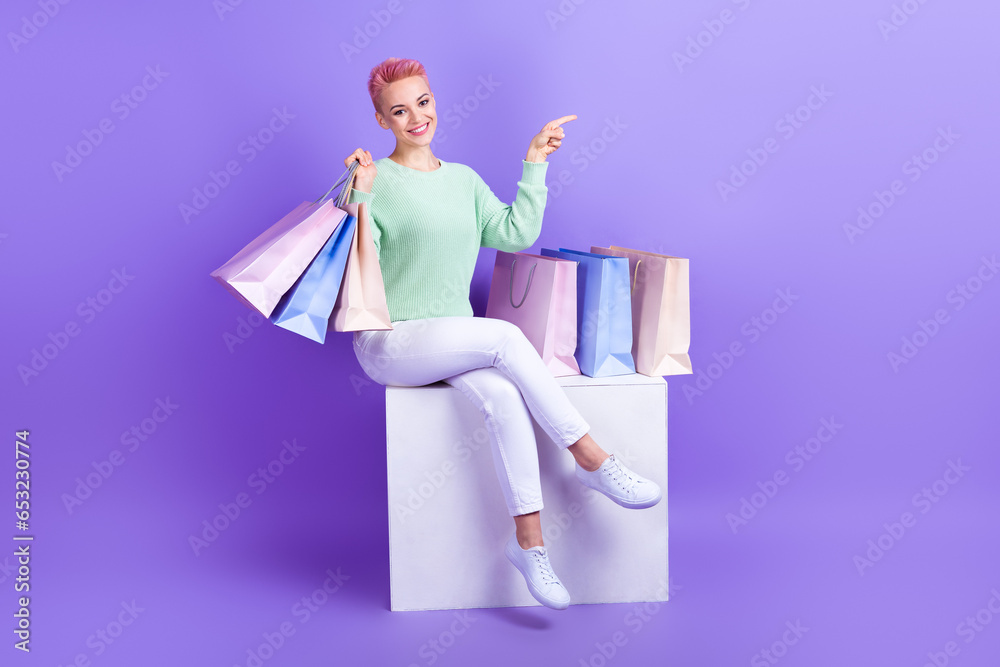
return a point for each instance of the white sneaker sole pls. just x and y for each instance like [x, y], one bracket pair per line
[639, 504]
[630, 504]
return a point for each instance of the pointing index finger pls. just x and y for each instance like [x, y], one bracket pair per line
[559, 121]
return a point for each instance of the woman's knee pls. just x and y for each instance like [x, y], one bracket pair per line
[499, 386]
[499, 395]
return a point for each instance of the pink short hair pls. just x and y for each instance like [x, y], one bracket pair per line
[389, 71]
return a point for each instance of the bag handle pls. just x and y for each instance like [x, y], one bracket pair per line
[636, 276]
[346, 180]
[526, 287]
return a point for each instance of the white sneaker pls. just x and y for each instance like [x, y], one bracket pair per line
[533, 563]
[621, 484]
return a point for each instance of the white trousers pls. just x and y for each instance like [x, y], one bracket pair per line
[492, 363]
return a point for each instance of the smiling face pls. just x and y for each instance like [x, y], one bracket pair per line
[407, 105]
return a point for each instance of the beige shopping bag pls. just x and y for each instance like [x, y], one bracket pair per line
[361, 303]
[661, 311]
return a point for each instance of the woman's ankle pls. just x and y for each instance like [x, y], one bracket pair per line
[528, 540]
[588, 455]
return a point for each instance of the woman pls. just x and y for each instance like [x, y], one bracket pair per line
[429, 218]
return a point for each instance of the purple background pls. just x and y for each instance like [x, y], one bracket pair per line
[650, 184]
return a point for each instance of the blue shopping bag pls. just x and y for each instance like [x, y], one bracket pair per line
[604, 312]
[306, 307]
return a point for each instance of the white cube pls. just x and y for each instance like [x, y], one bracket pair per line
[448, 521]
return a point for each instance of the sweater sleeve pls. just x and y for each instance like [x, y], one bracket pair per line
[515, 227]
[356, 197]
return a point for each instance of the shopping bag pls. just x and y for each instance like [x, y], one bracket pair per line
[306, 307]
[661, 311]
[538, 294]
[267, 267]
[361, 304]
[604, 313]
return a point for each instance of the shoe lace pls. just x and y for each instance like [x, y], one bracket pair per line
[621, 476]
[544, 566]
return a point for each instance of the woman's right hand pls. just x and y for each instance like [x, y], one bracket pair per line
[365, 174]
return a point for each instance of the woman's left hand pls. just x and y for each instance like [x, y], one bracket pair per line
[548, 140]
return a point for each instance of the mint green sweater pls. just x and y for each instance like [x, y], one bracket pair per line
[429, 226]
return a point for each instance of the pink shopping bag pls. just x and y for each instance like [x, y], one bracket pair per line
[661, 311]
[267, 267]
[538, 294]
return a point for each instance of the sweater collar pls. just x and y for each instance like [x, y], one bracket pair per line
[409, 170]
